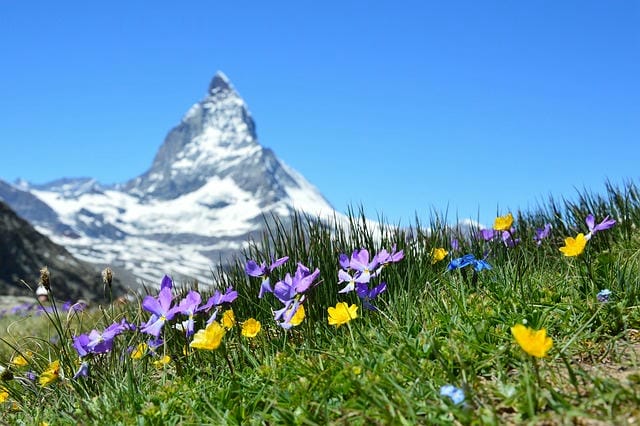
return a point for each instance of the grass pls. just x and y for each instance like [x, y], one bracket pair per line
[434, 327]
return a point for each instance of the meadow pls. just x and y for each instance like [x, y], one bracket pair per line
[535, 320]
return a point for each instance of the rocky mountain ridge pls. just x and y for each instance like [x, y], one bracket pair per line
[24, 251]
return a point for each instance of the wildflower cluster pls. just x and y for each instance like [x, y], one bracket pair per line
[198, 323]
[29, 309]
[290, 291]
[575, 246]
[358, 271]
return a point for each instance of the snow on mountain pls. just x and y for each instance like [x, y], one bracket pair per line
[206, 191]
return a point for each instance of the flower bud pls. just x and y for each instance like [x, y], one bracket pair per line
[42, 294]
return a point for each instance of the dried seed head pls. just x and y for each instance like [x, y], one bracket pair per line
[107, 276]
[44, 278]
[5, 374]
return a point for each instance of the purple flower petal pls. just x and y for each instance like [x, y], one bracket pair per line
[306, 282]
[254, 270]
[83, 371]
[343, 260]
[486, 234]
[152, 305]
[229, 295]
[605, 224]
[591, 221]
[278, 262]
[155, 327]
[80, 343]
[166, 282]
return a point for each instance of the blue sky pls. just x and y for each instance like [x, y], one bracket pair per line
[406, 107]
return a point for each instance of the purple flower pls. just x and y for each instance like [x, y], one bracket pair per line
[78, 307]
[80, 344]
[96, 342]
[155, 343]
[455, 245]
[291, 292]
[305, 278]
[542, 233]
[455, 394]
[216, 301]
[284, 315]
[285, 289]
[219, 298]
[188, 306]
[262, 271]
[360, 262]
[343, 276]
[161, 310]
[384, 257]
[486, 234]
[343, 260]
[83, 371]
[603, 295]
[507, 238]
[366, 295]
[100, 343]
[127, 326]
[593, 228]
[166, 282]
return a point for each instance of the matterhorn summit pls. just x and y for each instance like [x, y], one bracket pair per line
[208, 189]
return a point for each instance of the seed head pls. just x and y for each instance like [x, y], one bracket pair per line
[107, 277]
[44, 278]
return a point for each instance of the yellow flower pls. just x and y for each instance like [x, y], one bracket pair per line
[437, 254]
[251, 328]
[4, 395]
[503, 223]
[228, 319]
[342, 314]
[162, 361]
[19, 360]
[208, 338]
[574, 246]
[298, 317]
[139, 351]
[51, 374]
[533, 342]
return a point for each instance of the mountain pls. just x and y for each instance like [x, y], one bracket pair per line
[207, 191]
[24, 251]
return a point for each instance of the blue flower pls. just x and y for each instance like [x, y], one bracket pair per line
[456, 394]
[466, 260]
[603, 295]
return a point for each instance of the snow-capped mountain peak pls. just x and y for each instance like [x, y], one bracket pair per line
[213, 137]
[209, 187]
[220, 82]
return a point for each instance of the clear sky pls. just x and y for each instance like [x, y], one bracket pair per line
[473, 107]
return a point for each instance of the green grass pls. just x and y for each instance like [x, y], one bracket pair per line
[435, 327]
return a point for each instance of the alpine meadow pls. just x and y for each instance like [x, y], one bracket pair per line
[533, 320]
